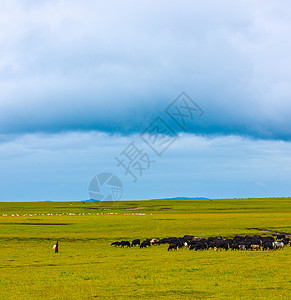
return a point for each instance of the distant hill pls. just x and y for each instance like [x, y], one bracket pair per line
[45, 201]
[182, 198]
[91, 200]
[174, 198]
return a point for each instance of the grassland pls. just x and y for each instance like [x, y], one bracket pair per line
[87, 267]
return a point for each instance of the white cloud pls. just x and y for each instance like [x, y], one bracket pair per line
[67, 65]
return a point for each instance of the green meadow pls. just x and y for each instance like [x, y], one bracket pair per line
[87, 267]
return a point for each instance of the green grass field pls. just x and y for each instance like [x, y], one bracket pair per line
[87, 267]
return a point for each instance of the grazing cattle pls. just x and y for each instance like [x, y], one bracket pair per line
[248, 246]
[255, 247]
[211, 245]
[173, 240]
[224, 244]
[268, 239]
[195, 238]
[278, 245]
[115, 243]
[155, 241]
[201, 246]
[192, 246]
[267, 246]
[255, 242]
[181, 244]
[280, 236]
[173, 246]
[164, 241]
[238, 239]
[135, 242]
[125, 243]
[286, 241]
[188, 237]
[144, 244]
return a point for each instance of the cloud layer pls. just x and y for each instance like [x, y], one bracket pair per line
[114, 67]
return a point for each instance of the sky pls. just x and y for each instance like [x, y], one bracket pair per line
[173, 98]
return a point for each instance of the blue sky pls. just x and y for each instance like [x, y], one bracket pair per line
[81, 81]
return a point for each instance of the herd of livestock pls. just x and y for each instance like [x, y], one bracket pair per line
[247, 242]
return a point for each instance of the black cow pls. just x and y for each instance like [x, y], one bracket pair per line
[116, 243]
[192, 246]
[267, 239]
[201, 246]
[145, 244]
[268, 246]
[135, 242]
[188, 237]
[164, 241]
[234, 247]
[173, 246]
[222, 245]
[286, 241]
[280, 236]
[155, 241]
[125, 243]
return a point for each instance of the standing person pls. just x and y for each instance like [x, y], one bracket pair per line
[56, 247]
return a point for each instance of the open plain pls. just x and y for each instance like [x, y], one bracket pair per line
[87, 267]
